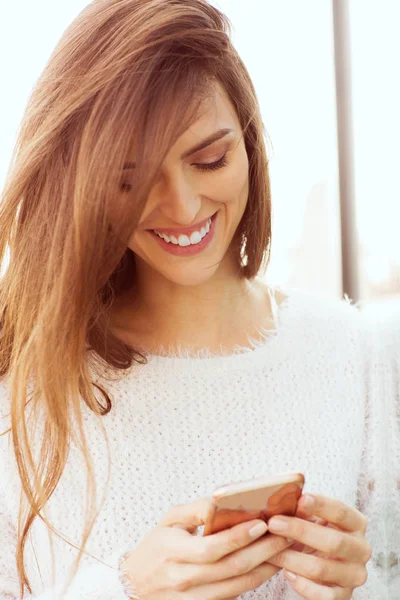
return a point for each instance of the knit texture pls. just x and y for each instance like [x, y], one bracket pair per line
[182, 425]
[384, 385]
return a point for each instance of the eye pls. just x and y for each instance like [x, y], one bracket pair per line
[222, 162]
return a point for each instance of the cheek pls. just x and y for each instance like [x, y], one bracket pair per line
[237, 186]
[137, 242]
[239, 176]
[232, 188]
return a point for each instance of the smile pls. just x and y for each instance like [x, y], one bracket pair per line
[186, 244]
[185, 240]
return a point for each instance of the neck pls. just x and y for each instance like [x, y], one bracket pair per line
[223, 312]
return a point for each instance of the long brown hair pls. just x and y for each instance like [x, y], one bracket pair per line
[127, 78]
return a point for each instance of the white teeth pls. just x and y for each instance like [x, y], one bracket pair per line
[184, 240]
[195, 238]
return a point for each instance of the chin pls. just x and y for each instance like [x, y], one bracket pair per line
[189, 276]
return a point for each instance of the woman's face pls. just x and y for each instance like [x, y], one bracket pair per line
[195, 207]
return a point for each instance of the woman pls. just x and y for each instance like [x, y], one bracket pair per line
[142, 357]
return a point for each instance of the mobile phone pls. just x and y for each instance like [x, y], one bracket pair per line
[259, 498]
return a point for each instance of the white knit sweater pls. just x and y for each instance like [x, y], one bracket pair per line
[383, 372]
[181, 426]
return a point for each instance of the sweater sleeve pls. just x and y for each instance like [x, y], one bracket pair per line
[376, 487]
[389, 338]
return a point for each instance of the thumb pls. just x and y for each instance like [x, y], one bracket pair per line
[187, 516]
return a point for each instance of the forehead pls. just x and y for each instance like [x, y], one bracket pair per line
[216, 112]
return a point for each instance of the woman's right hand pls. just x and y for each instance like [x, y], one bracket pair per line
[172, 563]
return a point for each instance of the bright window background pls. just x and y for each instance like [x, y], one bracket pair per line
[288, 50]
[376, 91]
[287, 47]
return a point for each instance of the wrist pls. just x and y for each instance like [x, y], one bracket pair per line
[125, 578]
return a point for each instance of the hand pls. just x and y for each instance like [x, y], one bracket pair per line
[171, 562]
[334, 562]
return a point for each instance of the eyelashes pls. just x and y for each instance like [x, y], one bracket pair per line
[214, 166]
[219, 164]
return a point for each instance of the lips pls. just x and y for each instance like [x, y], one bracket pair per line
[177, 231]
[183, 245]
[185, 240]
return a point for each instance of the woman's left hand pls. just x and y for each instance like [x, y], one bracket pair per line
[339, 551]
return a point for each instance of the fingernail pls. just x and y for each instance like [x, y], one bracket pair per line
[290, 575]
[307, 501]
[278, 524]
[258, 530]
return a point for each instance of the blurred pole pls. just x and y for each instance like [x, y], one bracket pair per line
[342, 50]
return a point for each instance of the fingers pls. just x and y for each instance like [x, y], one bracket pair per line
[235, 586]
[314, 591]
[334, 511]
[321, 569]
[237, 563]
[171, 560]
[249, 558]
[211, 548]
[187, 516]
[186, 548]
[325, 539]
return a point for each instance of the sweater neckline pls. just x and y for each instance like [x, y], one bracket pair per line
[237, 356]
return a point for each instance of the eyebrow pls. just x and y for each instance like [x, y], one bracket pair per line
[217, 135]
[207, 142]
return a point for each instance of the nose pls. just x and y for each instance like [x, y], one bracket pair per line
[178, 200]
